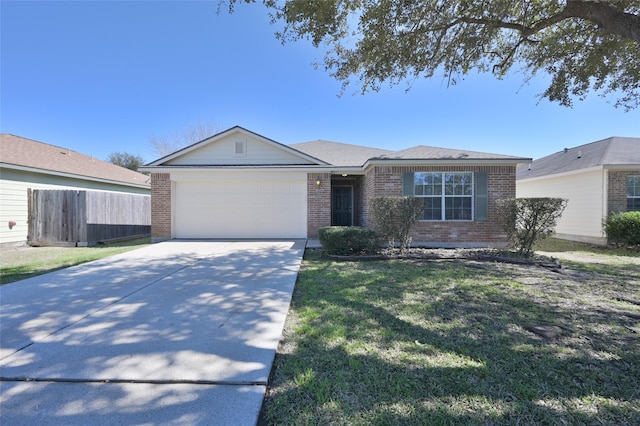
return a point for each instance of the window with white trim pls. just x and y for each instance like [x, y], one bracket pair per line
[447, 196]
[633, 193]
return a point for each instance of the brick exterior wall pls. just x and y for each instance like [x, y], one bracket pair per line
[160, 206]
[379, 181]
[318, 202]
[387, 181]
[617, 190]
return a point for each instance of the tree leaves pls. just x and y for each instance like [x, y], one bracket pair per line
[126, 160]
[527, 220]
[584, 46]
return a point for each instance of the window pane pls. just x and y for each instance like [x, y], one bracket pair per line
[633, 186]
[437, 187]
[633, 204]
[467, 181]
[458, 208]
[448, 183]
[458, 184]
[428, 184]
[432, 208]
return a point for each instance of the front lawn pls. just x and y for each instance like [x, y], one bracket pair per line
[23, 262]
[458, 342]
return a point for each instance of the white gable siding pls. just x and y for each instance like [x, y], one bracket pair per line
[14, 185]
[223, 152]
[582, 219]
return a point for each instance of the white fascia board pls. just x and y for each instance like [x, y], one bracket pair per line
[563, 174]
[72, 176]
[261, 168]
[632, 167]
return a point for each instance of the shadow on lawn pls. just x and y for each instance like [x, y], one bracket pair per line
[463, 353]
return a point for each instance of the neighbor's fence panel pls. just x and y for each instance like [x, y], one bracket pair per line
[113, 215]
[57, 217]
[86, 217]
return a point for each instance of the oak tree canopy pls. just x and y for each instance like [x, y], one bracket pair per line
[584, 46]
[126, 160]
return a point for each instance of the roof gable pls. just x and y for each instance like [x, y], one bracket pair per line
[236, 147]
[25, 153]
[613, 151]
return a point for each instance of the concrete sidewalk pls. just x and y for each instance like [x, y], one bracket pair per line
[175, 333]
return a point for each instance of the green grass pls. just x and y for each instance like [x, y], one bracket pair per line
[456, 342]
[560, 245]
[24, 262]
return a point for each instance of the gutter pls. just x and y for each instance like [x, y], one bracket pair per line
[336, 169]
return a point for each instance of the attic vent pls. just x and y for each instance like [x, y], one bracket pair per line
[241, 149]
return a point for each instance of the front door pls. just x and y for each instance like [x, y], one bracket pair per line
[342, 206]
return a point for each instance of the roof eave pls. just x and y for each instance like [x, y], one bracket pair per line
[73, 176]
[630, 166]
[262, 168]
[559, 174]
[446, 161]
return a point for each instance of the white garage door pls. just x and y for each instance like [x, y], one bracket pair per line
[256, 206]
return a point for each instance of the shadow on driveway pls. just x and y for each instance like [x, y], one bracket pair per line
[177, 332]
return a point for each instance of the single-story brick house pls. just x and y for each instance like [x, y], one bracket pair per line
[597, 178]
[26, 164]
[238, 184]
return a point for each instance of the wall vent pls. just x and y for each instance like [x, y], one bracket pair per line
[240, 149]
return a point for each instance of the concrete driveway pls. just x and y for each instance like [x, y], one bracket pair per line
[181, 332]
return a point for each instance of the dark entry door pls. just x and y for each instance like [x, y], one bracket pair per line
[342, 206]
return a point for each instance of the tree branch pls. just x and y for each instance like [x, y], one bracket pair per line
[606, 17]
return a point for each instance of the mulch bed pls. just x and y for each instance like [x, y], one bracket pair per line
[484, 255]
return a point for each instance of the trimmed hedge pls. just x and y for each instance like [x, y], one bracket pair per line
[623, 227]
[347, 240]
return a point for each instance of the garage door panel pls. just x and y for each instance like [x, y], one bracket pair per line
[232, 209]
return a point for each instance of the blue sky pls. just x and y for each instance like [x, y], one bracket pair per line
[105, 76]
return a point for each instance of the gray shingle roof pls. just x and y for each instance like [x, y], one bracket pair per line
[339, 154]
[614, 151]
[422, 152]
[19, 151]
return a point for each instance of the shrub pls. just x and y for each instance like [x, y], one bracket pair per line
[394, 217]
[623, 227]
[346, 240]
[527, 220]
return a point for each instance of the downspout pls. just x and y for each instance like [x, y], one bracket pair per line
[605, 200]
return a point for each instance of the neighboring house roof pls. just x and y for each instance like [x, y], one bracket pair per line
[339, 154]
[607, 153]
[22, 153]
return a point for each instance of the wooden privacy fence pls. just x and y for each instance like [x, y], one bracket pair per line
[81, 218]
